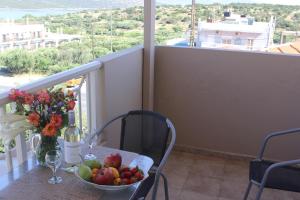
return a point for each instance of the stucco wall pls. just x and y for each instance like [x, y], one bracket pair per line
[227, 100]
[122, 88]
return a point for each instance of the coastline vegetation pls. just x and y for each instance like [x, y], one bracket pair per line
[104, 31]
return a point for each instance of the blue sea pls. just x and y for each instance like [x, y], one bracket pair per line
[13, 13]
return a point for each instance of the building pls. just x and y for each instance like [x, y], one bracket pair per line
[236, 32]
[287, 48]
[30, 36]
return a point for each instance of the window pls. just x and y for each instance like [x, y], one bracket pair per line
[250, 44]
[226, 41]
[238, 41]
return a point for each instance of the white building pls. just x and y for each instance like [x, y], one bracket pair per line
[236, 32]
[30, 36]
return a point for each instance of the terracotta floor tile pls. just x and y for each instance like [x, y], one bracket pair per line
[232, 189]
[209, 167]
[236, 170]
[192, 195]
[204, 185]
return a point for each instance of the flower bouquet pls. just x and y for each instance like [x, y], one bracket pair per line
[46, 111]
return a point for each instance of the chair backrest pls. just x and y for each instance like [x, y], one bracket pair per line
[146, 133]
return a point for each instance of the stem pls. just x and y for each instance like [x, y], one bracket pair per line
[54, 172]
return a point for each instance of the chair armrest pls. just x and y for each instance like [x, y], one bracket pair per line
[100, 130]
[272, 135]
[277, 165]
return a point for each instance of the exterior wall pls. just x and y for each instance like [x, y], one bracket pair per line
[212, 34]
[31, 36]
[122, 88]
[209, 39]
[228, 101]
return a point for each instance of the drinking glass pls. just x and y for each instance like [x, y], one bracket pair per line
[91, 142]
[53, 160]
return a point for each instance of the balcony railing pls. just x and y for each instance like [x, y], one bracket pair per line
[95, 79]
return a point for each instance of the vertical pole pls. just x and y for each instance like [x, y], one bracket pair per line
[96, 101]
[193, 13]
[8, 156]
[21, 148]
[149, 53]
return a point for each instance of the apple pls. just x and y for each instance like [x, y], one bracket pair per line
[105, 176]
[114, 160]
[92, 163]
[85, 172]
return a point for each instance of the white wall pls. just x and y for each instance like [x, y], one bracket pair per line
[123, 88]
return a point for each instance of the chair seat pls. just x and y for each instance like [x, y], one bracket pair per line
[145, 187]
[285, 178]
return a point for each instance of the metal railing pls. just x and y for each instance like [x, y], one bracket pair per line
[89, 73]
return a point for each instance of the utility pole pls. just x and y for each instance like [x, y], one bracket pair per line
[193, 16]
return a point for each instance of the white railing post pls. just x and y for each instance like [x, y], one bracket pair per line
[8, 156]
[21, 148]
[149, 51]
[95, 92]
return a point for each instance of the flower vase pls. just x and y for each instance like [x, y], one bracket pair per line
[44, 145]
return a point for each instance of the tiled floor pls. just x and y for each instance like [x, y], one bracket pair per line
[200, 177]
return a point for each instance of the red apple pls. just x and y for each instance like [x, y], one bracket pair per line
[114, 160]
[105, 176]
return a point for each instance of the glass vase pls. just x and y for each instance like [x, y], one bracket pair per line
[44, 145]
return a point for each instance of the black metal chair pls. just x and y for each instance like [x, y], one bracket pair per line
[276, 175]
[151, 134]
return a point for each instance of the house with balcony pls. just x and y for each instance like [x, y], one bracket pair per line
[240, 32]
[30, 36]
[222, 103]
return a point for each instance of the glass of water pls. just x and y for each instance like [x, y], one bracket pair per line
[53, 160]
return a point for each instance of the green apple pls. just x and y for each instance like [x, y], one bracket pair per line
[92, 164]
[85, 172]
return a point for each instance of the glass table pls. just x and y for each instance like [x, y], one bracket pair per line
[30, 181]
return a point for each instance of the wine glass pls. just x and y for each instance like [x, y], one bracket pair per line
[91, 140]
[53, 160]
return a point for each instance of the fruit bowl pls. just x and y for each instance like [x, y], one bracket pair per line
[109, 187]
[112, 175]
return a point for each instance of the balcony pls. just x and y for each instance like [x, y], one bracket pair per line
[222, 102]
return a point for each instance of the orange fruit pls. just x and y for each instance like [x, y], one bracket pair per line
[115, 172]
[117, 181]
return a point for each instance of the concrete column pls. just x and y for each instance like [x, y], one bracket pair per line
[149, 52]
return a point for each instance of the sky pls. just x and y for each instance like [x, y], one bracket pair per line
[284, 2]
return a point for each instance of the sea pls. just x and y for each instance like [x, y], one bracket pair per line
[14, 13]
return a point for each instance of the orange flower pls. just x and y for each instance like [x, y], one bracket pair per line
[28, 99]
[70, 93]
[56, 120]
[43, 96]
[71, 105]
[49, 130]
[34, 119]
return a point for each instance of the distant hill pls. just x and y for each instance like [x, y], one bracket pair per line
[96, 3]
[116, 3]
[27, 4]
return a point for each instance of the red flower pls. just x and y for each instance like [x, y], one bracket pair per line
[56, 120]
[43, 96]
[15, 94]
[34, 119]
[49, 130]
[71, 105]
[28, 99]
